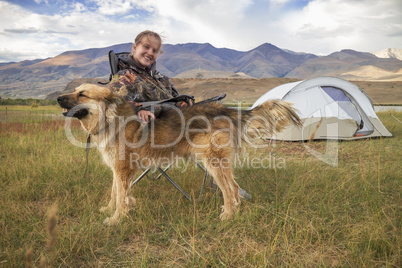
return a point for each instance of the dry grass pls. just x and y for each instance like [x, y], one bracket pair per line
[249, 90]
[304, 213]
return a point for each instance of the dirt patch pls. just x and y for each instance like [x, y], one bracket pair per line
[382, 92]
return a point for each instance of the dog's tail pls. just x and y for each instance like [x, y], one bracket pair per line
[269, 118]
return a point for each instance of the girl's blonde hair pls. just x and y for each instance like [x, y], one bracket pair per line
[148, 33]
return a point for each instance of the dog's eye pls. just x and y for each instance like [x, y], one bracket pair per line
[81, 94]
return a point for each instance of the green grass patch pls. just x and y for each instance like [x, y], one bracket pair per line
[304, 213]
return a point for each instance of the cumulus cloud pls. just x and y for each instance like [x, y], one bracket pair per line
[335, 24]
[78, 7]
[316, 26]
[113, 7]
[218, 22]
[41, 36]
[319, 26]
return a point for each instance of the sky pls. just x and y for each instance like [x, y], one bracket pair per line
[37, 29]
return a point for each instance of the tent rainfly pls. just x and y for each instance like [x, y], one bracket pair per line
[340, 109]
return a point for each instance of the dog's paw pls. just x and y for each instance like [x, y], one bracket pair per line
[226, 215]
[110, 221]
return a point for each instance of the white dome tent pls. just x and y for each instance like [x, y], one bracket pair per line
[344, 110]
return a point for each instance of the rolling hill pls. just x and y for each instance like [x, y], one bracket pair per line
[348, 64]
[38, 78]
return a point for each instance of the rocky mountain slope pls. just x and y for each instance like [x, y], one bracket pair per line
[39, 78]
[389, 53]
[351, 65]
[248, 90]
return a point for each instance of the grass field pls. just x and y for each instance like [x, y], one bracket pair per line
[304, 213]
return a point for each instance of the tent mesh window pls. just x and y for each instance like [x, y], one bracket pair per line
[351, 108]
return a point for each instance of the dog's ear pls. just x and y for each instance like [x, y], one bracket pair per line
[112, 101]
[114, 98]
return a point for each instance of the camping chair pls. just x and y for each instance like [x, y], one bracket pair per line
[163, 171]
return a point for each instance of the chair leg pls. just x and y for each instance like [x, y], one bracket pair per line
[140, 177]
[174, 184]
[203, 182]
[163, 172]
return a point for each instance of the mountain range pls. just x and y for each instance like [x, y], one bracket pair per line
[389, 53]
[38, 78]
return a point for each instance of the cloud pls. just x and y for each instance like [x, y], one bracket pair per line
[202, 21]
[22, 31]
[32, 30]
[319, 26]
[8, 55]
[41, 36]
[121, 7]
[113, 7]
[316, 26]
[78, 7]
[337, 24]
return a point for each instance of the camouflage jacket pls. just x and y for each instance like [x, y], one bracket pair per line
[141, 85]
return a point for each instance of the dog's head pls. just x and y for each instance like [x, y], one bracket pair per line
[90, 103]
[85, 100]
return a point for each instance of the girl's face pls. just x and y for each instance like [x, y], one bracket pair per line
[146, 51]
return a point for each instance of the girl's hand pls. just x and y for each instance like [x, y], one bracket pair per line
[145, 115]
[182, 104]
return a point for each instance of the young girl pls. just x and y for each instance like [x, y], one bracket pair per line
[138, 80]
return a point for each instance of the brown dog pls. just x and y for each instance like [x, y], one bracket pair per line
[207, 132]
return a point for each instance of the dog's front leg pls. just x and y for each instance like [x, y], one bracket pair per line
[123, 201]
[112, 202]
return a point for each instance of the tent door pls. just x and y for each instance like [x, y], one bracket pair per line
[352, 108]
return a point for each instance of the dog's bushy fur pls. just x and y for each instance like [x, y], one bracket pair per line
[208, 132]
